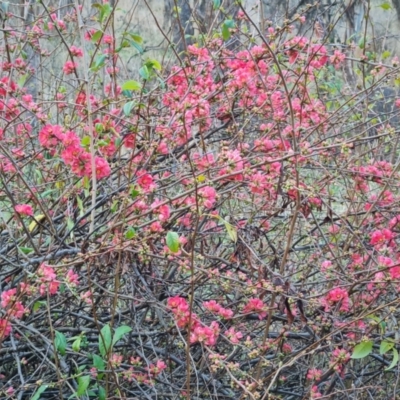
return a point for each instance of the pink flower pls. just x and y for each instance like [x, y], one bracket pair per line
[208, 194]
[314, 374]
[337, 58]
[50, 136]
[102, 168]
[76, 51]
[381, 237]
[158, 368]
[24, 209]
[337, 296]
[233, 336]
[146, 181]
[205, 334]
[5, 328]
[72, 278]
[255, 305]
[7, 297]
[69, 67]
[47, 277]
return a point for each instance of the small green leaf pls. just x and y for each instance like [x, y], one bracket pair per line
[131, 85]
[80, 205]
[230, 23]
[60, 342]
[226, 26]
[385, 347]
[85, 141]
[217, 4]
[385, 6]
[128, 107]
[4, 6]
[231, 231]
[76, 345]
[26, 250]
[120, 332]
[173, 241]
[38, 304]
[114, 206]
[153, 64]
[99, 128]
[96, 36]
[105, 340]
[144, 72]
[226, 34]
[83, 383]
[130, 233]
[102, 393]
[38, 392]
[136, 38]
[362, 349]
[105, 11]
[98, 62]
[133, 192]
[394, 361]
[98, 362]
[136, 46]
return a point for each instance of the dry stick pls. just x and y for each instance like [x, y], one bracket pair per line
[312, 347]
[90, 119]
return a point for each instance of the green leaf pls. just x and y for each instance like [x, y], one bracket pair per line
[98, 362]
[133, 192]
[136, 46]
[226, 34]
[144, 72]
[173, 241]
[153, 64]
[226, 26]
[38, 392]
[26, 250]
[38, 304]
[230, 23]
[114, 206]
[96, 36]
[105, 340]
[76, 345]
[83, 383]
[102, 393]
[128, 107]
[385, 6]
[98, 62]
[362, 349]
[130, 233]
[120, 332]
[394, 361]
[85, 141]
[4, 6]
[385, 347]
[60, 342]
[232, 233]
[216, 4]
[99, 128]
[136, 38]
[131, 85]
[105, 11]
[80, 206]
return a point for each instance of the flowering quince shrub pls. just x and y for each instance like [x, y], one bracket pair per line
[224, 226]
